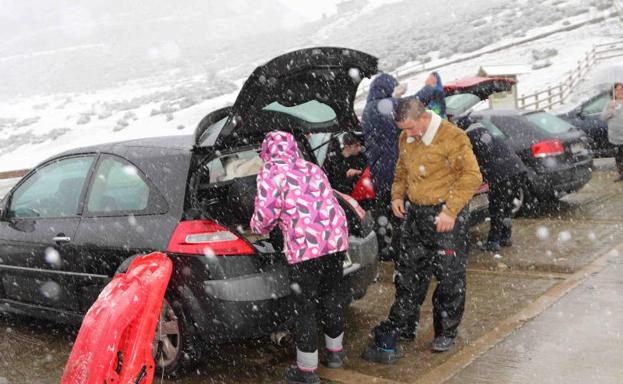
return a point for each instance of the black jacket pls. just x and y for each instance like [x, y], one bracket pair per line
[381, 133]
[336, 167]
[497, 160]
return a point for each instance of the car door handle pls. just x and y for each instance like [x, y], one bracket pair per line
[61, 239]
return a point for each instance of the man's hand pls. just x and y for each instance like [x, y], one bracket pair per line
[352, 173]
[398, 207]
[445, 222]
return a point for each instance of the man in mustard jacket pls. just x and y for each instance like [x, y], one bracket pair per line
[437, 174]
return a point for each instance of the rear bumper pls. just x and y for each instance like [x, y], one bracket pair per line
[257, 304]
[561, 182]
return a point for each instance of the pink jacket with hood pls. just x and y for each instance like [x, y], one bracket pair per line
[296, 194]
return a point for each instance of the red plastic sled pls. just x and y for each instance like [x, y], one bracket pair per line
[114, 344]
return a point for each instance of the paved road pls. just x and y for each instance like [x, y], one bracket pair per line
[577, 340]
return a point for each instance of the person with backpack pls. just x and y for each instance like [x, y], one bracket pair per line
[295, 195]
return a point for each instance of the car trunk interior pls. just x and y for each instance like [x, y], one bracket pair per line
[223, 188]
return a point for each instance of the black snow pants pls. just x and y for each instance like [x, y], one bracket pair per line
[424, 253]
[316, 290]
[388, 228]
[501, 196]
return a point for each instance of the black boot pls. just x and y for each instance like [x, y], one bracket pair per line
[443, 343]
[335, 359]
[384, 350]
[294, 375]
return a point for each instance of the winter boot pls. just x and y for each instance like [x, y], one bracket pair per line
[491, 246]
[506, 243]
[335, 359]
[384, 349]
[443, 343]
[294, 375]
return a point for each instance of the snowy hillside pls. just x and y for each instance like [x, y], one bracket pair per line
[145, 74]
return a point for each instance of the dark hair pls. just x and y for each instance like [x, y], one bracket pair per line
[410, 108]
[350, 139]
[617, 85]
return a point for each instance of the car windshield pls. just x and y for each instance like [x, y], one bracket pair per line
[549, 123]
[457, 104]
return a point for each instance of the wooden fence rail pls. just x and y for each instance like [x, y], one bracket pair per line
[557, 94]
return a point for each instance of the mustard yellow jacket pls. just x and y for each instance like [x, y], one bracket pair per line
[444, 172]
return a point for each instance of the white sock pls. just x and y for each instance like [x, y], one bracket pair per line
[334, 345]
[307, 361]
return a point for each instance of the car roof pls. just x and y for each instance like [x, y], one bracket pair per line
[175, 143]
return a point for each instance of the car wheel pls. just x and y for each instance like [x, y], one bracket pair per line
[168, 347]
[173, 348]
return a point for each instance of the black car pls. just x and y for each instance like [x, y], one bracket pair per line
[557, 155]
[77, 219]
[586, 117]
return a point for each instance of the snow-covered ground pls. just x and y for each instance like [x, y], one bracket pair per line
[171, 100]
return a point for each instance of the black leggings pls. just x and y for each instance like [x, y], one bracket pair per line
[317, 290]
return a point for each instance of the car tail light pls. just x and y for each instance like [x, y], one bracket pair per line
[547, 148]
[204, 237]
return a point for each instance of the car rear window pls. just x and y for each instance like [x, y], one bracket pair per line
[457, 104]
[549, 123]
[492, 128]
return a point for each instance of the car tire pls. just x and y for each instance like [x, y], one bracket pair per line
[181, 351]
[173, 348]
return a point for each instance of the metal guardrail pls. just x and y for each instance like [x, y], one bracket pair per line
[557, 94]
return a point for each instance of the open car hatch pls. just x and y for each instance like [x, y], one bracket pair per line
[311, 89]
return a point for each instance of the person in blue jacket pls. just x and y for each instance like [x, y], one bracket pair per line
[432, 95]
[381, 141]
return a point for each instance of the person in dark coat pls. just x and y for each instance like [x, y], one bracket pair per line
[343, 168]
[503, 170]
[381, 140]
[432, 95]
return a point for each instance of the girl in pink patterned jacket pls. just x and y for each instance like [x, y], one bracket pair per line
[296, 195]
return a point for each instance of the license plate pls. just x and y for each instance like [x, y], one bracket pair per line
[347, 261]
[478, 202]
[577, 148]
